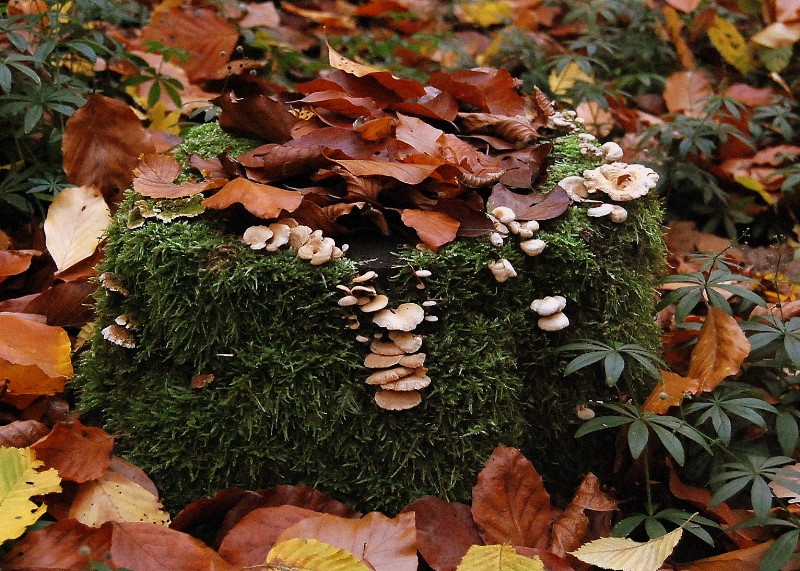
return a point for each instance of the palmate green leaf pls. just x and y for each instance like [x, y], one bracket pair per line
[613, 365]
[761, 497]
[582, 361]
[671, 443]
[780, 552]
[638, 435]
[5, 78]
[726, 491]
[24, 69]
[744, 293]
[681, 427]
[31, 118]
[601, 423]
[787, 431]
[791, 343]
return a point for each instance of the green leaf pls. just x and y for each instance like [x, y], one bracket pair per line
[638, 435]
[601, 423]
[787, 431]
[761, 497]
[613, 364]
[780, 552]
[671, 443]
[5, 78]
[31, 118]
[728, 490]
[582, 361]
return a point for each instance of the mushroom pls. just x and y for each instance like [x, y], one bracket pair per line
[365, 277]
[317, 250]
[397, 400]
[524, 230]
[554, 322]
[387, 348]
[256, 237]
[618, 214]
[376, 303]
[611, 152]
[118, 335]
[376, 361]
[416, 380]
[502, 270]
[584, 412]
[414, 360]
[405, 318]
[621, 181]
[504, 214]
[384, 376]
[575, 188]
[408, 342]
[599, 211]
[111, 282]
[280, 236]
[496, 239]
[549, 305]
[423, 273]
[533, 247]
[348, 301]
[299, 236]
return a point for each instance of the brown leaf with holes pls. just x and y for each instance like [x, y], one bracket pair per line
[445, 531]
[102, 143]
[435, 229]
[155, 175]
[261, 200]
[79, 453]
[721, 349]
[510, 503]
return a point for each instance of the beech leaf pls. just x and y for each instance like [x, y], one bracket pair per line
[404, 172]
[748, 559]
[13, 262]
[509, 501]
[19, 481]
[312, 555]
[730, 44]
[22, 433]
[625, 554]
[686, 92]
[498, 558]
[75, 223]
[113, 497]
[721, 349]
[670, 392]
[79, 453]
[435, 229]
[261, 200]
[154, 176]
[554, 205]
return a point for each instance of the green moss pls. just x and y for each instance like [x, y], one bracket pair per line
[209, 140]
[288, 403]
[567, 159]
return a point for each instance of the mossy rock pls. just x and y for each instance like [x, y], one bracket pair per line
[288, 403]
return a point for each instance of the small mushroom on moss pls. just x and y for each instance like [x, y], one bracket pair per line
[423, 273]
[376, 361]
[386, 348]
[256, 237]
[376, 303]
[118, 335]
[317, 250]
[299, 236]
[408, 342]
[621, 181]
[599, 211]
[533, 247]
[525, 229]
[496, 239]
[554, 322]
[584, 412]
[415, 381]
[111, 282]
[414, 360]
[502, 270]
[384, 376]
[405, 318]
[365, 277]
[280, 236]
[397, 400]
[611, 152]
[504, 214]
[549, 305]
[575, 188]
[618, 214]
[348, 301]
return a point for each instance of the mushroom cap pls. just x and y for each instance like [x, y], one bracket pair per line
[388, 375]
[618, 215]
[407, 342]
[256, 236]
[405, 318]
[118, 335]
[368, 290]
[365, 277]
[504, 214]
[502, 270]
[348, 301]
[414, 360]
[317, 250]
[621, 181]
[397, 400]
[533, 247]
[376, 361]
[554, 322]
[549, 305]
[376, 303]
[611, 151]
[575, 187]
[599, 211]
[111, 282]
[299, 236]
[417, 380]
[280, 236]
[584, 412]
[496, 239]
[386, 348]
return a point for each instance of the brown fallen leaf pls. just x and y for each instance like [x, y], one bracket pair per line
[13, 262]
[75, 224]
[260, 200]
[113, 497]
[155, 175]
[79, 453]
[554, 205]
[22, 433]
[721, 349]
[251, 112]
[670, 392]
[686, 92]
[435, 229]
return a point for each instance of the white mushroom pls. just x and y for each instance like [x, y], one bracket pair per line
[365, 277]
[405, 318]
[584, 412]
[397, 400]
[280, 236]
[533, 247]
[618, 215]
[376, 303]
[496, 239]
[408, 342]
[299, 236]
[386, 348]
[549, 305]
[504, 214]
[575, 188]
[555, 322]
[599, 211]
[256, 236]
[348, 301]
[502, 270]
[621, 181]
[423, 273]
[611, 152]
[317, 250]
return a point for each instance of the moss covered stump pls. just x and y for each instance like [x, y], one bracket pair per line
[238, 367]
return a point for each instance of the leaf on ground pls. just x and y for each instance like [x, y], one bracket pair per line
[79, 453]
[484, 13]
[748, 559]
[132, 473]
[113, 497]
[569, 530]
[404, 88]
[102, 143]
[730, 44]
[793, 473]
[777, 35]
[721, 349]
[387, 544]
[34, 357]
[498, 558]
[420, 135]
[434, 104]
[404, 172]
[13, 262]
[59, 546]
[509, 501]
[155, 175]
[65, 304]
[563, 81]
[252, 538]
[686, 92]
[22, 433]
[435, 229]
[275, 162]
[445, 531]
[75, 224]
[19, 481]
[262, 200]
[625, 554]
[555, 203]
[471, 221]
[590, 496]
[488, 90]
[684, 6]
[312, 555]
[254, 114]
[670, 392]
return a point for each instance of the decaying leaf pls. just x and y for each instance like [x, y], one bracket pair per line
[435, 229]
[312, 554]
[155, 175]
[79, 453]
[721, 349]
[13, 262]
[113, 497]
[748, 559]
[730, 44]
[19, 481]
[627, 555]
[687, 92]
[75, 224]
[498, 558]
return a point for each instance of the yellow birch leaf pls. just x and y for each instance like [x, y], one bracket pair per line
[624, 554]
[75, 223]
[19, 481]
[311, 555]
[113, 497]
[497, 558]
[562, 82]
[486, 13]
[731, 45]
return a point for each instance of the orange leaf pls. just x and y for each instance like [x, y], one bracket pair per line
[741, 560]
[249, 541]
[569, 530]
[445, 531]
[22, 433]
[34, 357]
[154, 177]
[405, 88]
[721, 349]
[406, 173]
[59, 546]
[590, 496]
[434, 228]
[255, 115]
[686, 92]
[261, 200]
[102, 143]
[509, 502]
[13, 262]
[388, 544]
[79, 453]
[670, 392]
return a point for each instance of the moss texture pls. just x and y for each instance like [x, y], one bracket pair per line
[288, 403]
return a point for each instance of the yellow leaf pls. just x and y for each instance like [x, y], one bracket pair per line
[486, 13]
[730, 44]
[113, 497]
[311, 555]
[76, 221]
[625, 554]
[19, 480]
[160, 120]
[755, 185]
[497, 558]
[562, 82]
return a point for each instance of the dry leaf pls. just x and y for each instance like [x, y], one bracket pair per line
[79, 453]
[721, 349]
[777, 34]
[555, 203]
[686, 92]
[75, 224]
[670, 392]
[313, 555]
[259, 199]
[154, 176]
[13, 262]
[498, 558]
[113, 497]
[569, 530]
[435, 229]
[684, 6]
[627, 555]
[748, 559]
[22, 433]
[730, 44]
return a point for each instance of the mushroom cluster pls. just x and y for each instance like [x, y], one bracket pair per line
[505, 225]
[551, 312]
[119, 332]
[309, 244]
[607, 152]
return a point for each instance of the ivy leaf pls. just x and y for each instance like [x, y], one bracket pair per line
[627, 555]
